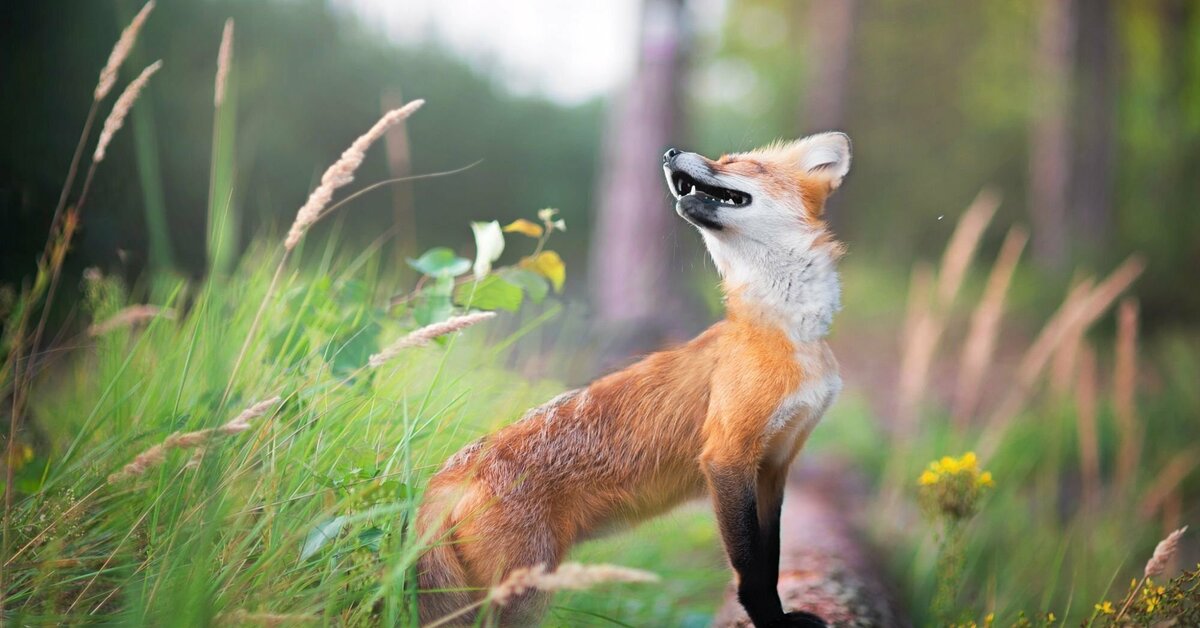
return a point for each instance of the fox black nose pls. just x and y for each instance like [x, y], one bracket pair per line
[671, 152]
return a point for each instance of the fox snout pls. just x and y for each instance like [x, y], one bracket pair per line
[700, 196]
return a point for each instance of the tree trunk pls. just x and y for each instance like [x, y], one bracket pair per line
[830, 27]
[633, 297]
[1050, 157]
[825, 566]
[1091, 205]
[399, 160]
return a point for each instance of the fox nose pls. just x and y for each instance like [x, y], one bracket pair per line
[671, 152]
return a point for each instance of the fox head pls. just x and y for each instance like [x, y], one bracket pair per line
[761, 213]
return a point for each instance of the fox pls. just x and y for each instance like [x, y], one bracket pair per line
[725, 413]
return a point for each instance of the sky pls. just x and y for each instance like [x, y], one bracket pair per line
[569, 51]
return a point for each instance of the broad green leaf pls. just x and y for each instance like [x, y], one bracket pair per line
[549, 265]
[493, 293]
[440, 261]
[532, 283]
[351, 350]
[321, 534]
[489, 244]
[370, 539]
[434, 305]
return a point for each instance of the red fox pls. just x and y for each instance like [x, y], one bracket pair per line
[726, 412]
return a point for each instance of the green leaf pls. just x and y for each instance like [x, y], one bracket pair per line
[349, 351]
[532, 283]
[434, 305]
[321, 534]
[492, 293]
[440, 262]
[370, 539]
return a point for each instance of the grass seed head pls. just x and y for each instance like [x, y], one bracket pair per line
[224, 60]
[426, 334]
[1163, 553]
[342, 172]
[120, 51]
[116, 118]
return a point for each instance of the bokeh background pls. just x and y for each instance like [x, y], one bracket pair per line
[1084, 117]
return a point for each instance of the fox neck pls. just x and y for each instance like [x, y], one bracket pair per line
[794, 285]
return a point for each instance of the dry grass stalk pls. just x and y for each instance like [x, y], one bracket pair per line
[342, 172]
[224, 60]
[917, 347]
[1089, 440]
[128, 317]
[985, 327]
[120, 51]
[1168, 480]
[572, 576]
[116, 118]
[155, 455]
[1124, 389]
[926, 322]
[1163, 552]
[424, 335]
[963, 243]
[1079, 310]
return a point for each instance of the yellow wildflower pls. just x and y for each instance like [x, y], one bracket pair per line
[1106, 608]
[928, 478]
[985, 479]
[989, 619]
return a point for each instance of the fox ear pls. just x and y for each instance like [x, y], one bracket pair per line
[825, 155]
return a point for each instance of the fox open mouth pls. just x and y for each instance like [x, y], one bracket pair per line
[683, 184]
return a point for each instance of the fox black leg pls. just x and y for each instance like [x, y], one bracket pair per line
[750, 529]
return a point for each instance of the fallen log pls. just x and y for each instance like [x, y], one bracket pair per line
[826, 566]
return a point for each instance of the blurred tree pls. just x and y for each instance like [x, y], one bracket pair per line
[634, 298]
[830, 36]
[830, 29]
[1095, 107]
[1049, 142]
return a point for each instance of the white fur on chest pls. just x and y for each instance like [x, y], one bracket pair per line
[799, 412]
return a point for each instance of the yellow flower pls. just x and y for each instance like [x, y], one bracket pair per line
[949, 464]
[969, 461]
[927, 478]
[1106, 608]
[985, 479]
[989, 619]
[1050, 617]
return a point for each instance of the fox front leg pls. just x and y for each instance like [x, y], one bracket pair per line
[748, 510]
